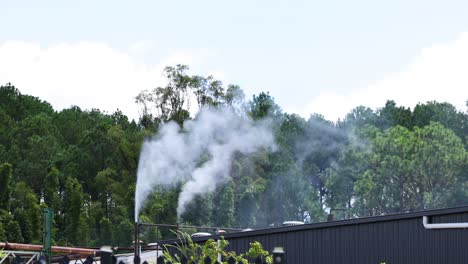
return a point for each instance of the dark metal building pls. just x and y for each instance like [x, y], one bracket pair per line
[400, 238]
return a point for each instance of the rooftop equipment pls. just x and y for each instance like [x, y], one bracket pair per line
[201, 234]
[292, 223]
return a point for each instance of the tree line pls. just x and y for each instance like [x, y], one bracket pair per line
[83, 164]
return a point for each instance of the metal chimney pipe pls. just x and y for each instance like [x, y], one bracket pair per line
[136, 243]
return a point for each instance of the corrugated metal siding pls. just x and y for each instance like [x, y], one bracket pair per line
[396, 240]
[401, 241]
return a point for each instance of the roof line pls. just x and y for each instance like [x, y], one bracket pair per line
[355, 221]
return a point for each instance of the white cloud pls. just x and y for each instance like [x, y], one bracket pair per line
[87, 74]
[439, 72]
[142, 47]
[95, 75]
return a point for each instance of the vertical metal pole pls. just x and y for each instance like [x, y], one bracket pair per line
[47, 234]
[136, 243]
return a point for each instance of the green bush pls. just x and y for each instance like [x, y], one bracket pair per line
[196, 253]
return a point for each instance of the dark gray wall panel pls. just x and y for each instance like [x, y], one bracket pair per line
[400, 239]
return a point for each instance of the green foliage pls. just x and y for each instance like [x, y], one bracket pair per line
[7, 126]
[404, 171]
[359, 117]
[51, 190]
[248, 201]
[196, 253]
[223, 211]
[3, 236]
[443, 113]
[83, 164]
[73, 208]
[123, 234]
[172, 102]
[256, 250]
[149, 234]
[391, 115]
[105, 232]
[27, 212]
[13, 232]
[263, 105]
[19, 106]
[199, 211]
[6, 182]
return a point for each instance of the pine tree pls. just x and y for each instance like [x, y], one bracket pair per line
[223, 213]
[13, 232]
[3, 236]
[27, 212]
[72, 209]
[51, 190]
[105, 231]
[123, 234]
[83, 231]
[6, 173]
[25, 224]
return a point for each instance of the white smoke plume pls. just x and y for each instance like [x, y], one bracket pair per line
[173, 155]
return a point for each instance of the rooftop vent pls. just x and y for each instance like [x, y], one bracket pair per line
[201, 234]
[292, 223]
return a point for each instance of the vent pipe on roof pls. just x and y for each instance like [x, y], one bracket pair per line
[442, 226]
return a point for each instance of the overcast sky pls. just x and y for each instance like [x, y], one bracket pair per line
[312, 56]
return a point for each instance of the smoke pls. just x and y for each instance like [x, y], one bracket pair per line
[322, 141]
[174, 155]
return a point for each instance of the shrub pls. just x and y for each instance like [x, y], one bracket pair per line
[190, 252]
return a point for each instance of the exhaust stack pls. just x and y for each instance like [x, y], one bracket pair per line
[136, 242]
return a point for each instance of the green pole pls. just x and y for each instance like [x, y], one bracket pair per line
[47, 235]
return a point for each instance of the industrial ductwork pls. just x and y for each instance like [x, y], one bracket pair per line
[442, 226]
